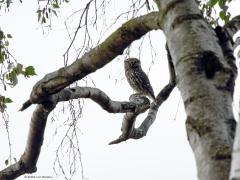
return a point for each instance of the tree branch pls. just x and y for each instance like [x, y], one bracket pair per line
[97, 96]
[130, 118]
[226, 43]
[233, 26]
[237, 42]
[28, 161]
[95, 59]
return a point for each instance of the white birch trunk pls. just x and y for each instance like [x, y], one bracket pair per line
[203, 78]
[235, 166]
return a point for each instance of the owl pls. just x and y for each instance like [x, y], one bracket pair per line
[137, 78]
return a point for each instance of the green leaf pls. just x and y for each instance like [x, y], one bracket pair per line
[19, 69]
[39, 11]
[30, 71]
[39, 15]
[222, 3]
[9, 36]
[55, 13]
[6, 43]
[43, 20]
[6, 162]
[46, 15]
[2, 108]
[56, 6]
[1, 58]
[213, 2]
[8, 100]
[2, 99]
[12, 77]
[222, 15]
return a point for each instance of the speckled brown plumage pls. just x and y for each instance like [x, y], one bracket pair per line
[137, 78]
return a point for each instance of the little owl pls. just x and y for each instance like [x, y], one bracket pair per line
[137, 78]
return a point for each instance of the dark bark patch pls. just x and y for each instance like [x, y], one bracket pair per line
[223, 156]
[48, 104]
[208, 63]
[192, 99]
[188, 17]
[223, 36]
[73, 90]
[231, 123]
[230, 82]
[201, 126]
[128, 106]
[221, 152]
[226, 42]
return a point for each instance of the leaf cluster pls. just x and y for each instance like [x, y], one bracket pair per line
[4, 43]
[15, 71]
[215, 10]
[46, 10]
[10, 69]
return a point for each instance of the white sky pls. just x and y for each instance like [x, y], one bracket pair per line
[163, 154]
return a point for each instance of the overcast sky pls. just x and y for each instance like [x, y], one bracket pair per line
[163, 154]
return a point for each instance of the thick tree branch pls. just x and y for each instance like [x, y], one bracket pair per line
[233, 26]
[236, 43]
[226, 43]
[95, 59]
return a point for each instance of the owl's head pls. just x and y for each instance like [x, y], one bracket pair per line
[131, 63]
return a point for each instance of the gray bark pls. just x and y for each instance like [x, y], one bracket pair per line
[235, 165]
[206, 81]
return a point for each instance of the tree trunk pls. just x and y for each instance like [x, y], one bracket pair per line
[205, 80]
[235, 165]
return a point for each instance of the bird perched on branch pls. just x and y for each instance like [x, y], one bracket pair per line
[137, 78]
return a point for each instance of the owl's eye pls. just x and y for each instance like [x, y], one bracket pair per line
[135, 62]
